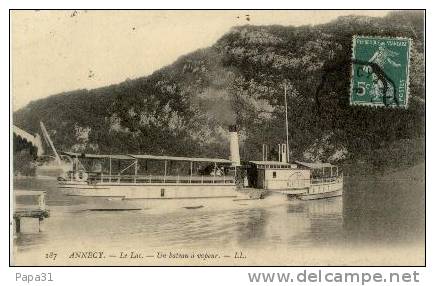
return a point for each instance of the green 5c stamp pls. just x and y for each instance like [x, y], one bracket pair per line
[380, 71]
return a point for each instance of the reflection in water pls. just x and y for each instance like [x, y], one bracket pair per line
[251, 226]
[368, 212]
[306, 223]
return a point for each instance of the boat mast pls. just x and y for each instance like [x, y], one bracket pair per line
[48, 139]
[286, 123]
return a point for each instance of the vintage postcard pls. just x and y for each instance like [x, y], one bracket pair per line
[217, 138]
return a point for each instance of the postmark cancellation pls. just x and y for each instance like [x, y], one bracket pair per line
[380, 71]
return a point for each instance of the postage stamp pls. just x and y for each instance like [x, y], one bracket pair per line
[380, 71]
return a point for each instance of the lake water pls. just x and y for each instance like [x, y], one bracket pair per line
[376, 222]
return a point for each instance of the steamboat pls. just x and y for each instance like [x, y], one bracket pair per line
[131, 181]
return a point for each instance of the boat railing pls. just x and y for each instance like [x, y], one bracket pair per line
[94, 177]
[320, 181]
[301, 183]
[104, 178]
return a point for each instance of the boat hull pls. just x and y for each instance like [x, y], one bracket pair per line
[149, 191]
[315, 191]
[330, 194]
[106, 197]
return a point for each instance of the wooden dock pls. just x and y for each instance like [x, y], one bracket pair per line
[37, 211]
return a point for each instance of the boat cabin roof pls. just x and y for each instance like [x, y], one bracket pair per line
[144, 156]
[98, 156]
[273, 165]
[282, 165]
[269, 163]
[189, 159]
[317, 165]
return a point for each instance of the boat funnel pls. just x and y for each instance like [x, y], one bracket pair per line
[282, 153]
[234, 145]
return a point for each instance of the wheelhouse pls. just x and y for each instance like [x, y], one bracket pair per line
[275, 175]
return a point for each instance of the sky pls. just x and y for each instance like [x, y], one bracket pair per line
[57, 51]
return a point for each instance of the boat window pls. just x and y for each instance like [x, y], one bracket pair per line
[274, 174]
